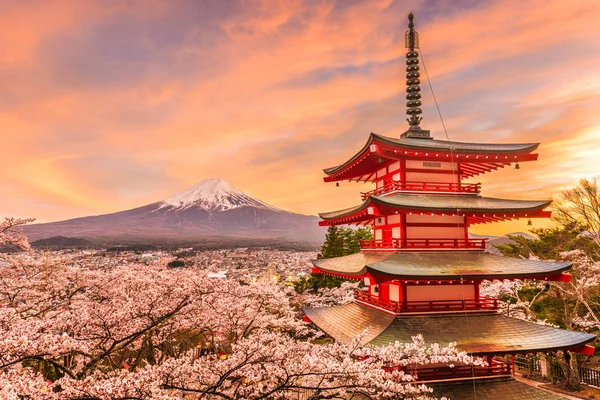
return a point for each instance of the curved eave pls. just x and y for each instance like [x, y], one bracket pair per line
[461, 204]
[477, 334]
[558, 276]
[361, 153]
[441, 266]
[496, 210]
[345, 275]
[474, 158]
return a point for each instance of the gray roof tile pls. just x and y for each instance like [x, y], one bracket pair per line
[432, 265]
[474, 333]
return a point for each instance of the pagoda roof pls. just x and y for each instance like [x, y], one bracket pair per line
[440, 203]
[504, 388]
[498, 153]
[436, 265]
[475, 333]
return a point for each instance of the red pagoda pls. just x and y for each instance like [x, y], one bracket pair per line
[422, 271]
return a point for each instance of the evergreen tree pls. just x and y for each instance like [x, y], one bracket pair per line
[338, 242]
[343, 241]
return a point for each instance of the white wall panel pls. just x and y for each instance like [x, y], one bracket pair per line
[440, 292]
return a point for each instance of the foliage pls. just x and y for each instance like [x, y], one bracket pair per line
[580, 206]
[176, 264]
[343, 241]
[574, 304]
[550, 242]
[338, 242]
[10, 234]
[150, 332]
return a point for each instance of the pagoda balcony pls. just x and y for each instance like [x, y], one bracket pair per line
[424, 244]
[439, 187]
[496, 368]
[400, 307]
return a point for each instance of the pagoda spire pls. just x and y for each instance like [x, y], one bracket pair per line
[413, 83]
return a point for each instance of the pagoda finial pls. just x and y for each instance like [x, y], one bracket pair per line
[413, 83]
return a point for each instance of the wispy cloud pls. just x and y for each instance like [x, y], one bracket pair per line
[111, 105]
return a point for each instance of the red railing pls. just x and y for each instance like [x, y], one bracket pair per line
[461, 371]
[483, 303]
[424, 244]
[425, 187]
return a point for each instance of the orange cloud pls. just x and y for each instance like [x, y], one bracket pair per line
[108, 106]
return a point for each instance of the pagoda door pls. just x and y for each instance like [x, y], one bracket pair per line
[387, 236]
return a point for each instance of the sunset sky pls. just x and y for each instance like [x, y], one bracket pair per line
[110, 105]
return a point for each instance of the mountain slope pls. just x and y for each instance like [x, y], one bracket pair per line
[214, 195]
[211, 209]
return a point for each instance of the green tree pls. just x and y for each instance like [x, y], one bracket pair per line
[550, 242]
[338, 242]
[343, 241]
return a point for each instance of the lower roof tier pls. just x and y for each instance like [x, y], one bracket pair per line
[474, 208]
[439, 265]
[506, 388]
[478, 334]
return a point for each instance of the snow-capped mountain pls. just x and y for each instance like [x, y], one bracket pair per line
[213, 209]
[214, 195]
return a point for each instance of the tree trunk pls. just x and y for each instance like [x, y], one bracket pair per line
[572, 381]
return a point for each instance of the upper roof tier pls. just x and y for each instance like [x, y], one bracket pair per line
[439, 265]
[477, 334]
[476, 209]
[472, 158]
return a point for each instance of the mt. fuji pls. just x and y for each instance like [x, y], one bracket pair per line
[214, 195]
[211, 210]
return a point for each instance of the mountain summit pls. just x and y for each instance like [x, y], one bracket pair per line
[211, 211]
[214, 195]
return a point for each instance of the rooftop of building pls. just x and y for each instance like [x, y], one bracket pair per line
[444, 146]
[475, 333]
[505, 388]
[439, 265]
[442, 203]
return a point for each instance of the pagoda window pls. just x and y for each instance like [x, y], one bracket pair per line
[424, 292]
[394, 291]
[374, 290]
[456, 220]
[425, 171]
[393, 219]
[435, 232]
[435, 227]
[433, 166]
[378, 234]
[381, 172]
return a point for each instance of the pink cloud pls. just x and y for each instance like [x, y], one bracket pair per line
[267, 94]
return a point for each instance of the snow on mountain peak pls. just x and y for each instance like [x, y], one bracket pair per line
[214, 195]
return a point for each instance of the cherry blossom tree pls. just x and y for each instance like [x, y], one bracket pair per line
[326, 297]
[11, 234]
[510, 296]
[150, 332]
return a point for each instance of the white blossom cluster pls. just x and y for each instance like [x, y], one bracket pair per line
[69, 330]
